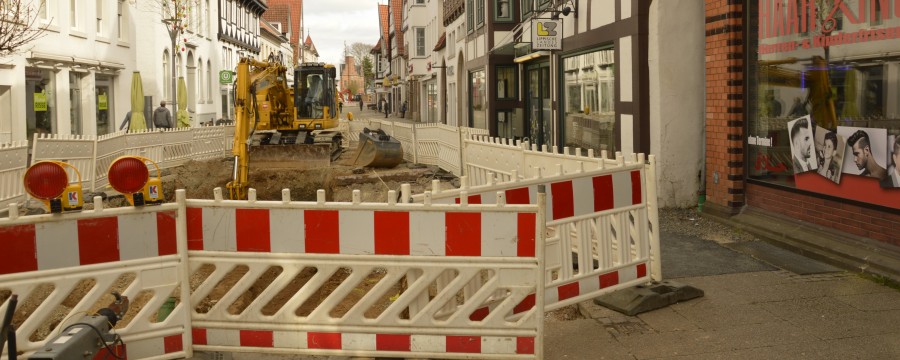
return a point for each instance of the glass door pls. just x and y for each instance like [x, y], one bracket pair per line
[537, 104]
[105, 123]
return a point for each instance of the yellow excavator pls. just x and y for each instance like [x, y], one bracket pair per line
[282, 126]
[278, 126]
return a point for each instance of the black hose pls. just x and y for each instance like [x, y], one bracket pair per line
[6, 329]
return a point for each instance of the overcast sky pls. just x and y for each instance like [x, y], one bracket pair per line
[330, 23]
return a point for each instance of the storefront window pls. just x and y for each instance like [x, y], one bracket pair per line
[105, 120]
[476, 89]
[824, 99]
[506, 82]
[39, 102]
[431, 101]
[589, 92]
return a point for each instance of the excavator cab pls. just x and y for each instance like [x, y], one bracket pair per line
[314, 96]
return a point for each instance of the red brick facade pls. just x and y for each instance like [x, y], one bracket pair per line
[724, 103]
[725, 142]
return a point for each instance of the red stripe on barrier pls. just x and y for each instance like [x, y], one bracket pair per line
[636, 194]
[480, 314]
[464, 344]
[98, 240]
[320, 340]
[252, 230]
[199, 336]
[323, 235]
[391, 233]
[603, 193]
[526, 304]
[173, 343]
[463, 234]
[518, 196]
[195, 228]
[607, 280]
[472, 199]
[568, 291]
[257, 338]
[641, 270]
[525, 345]
[563, 200]
[165, 233]
[392, 342]
[526, 235]
[20, 249]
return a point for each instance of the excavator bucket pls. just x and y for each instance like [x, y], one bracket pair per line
[293, 156]
[377, 149]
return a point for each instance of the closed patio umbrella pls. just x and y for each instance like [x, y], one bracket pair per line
[184, 120]
[137, 121]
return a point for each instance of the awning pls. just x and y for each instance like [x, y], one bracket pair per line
[442, 41]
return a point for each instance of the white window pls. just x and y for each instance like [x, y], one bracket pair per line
[121, 26]
[73, 14]
[44, 11]
[420, 42]
[99, 6]
[200, 88]
[209, 81]
[420, 1]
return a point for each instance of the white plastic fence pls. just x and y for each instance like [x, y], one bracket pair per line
[13, 163]
[409, 262]
[602, 224]
[169, 148]
[65, 266]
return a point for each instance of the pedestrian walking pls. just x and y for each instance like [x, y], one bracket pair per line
[162, 117]
[403, 109]
[360, 104]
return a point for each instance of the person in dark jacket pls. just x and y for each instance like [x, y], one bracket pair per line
[162, 118]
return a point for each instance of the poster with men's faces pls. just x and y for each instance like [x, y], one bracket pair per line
[892, 180]
[830, 149]
[803, 151]
[866, 151]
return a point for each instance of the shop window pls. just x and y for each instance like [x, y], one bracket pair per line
[105, 102]
[477, 116]
[823, 109]
[506, 83]
[510, 124]
[39, 102]
[503, 10]
[589, 98]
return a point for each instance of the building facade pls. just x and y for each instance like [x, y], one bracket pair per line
[238, 36]
[803, 114]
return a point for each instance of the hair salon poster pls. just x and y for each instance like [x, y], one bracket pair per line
[852, 162]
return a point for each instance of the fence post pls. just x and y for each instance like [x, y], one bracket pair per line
[462, 151]
[185, 273]
[653, 214]
[415, 144]
[540, 241]
[94, 166]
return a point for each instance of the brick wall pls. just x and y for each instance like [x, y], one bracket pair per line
[724, 103]
[861, 221]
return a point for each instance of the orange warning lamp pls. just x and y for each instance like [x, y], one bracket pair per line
[49, 181]
[129, 175]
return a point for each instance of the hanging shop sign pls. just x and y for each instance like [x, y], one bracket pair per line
[40, 101]
[226, 77]
[546, 34]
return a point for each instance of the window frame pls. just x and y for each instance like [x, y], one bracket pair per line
[510, 11]
[527, 8]
[420, 36]
[511, 89]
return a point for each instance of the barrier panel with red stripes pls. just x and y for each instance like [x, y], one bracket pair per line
[366, 279]
[601, 226]
[359, 279]
[63, 266]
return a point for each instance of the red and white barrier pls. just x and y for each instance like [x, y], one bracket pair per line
[601, 224]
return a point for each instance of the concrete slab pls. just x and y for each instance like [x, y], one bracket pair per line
[581, 339]
[709, 317]
[686, 256]
[781, 258]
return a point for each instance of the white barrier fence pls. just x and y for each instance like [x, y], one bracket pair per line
[602, 224]
[364, 279]
[13, 163]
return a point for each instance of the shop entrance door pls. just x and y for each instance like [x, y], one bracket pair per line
[537, 103]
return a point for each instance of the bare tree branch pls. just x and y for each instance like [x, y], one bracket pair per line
[18, 26]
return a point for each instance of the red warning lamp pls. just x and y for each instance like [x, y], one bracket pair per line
[49, 182]
[130, 176]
